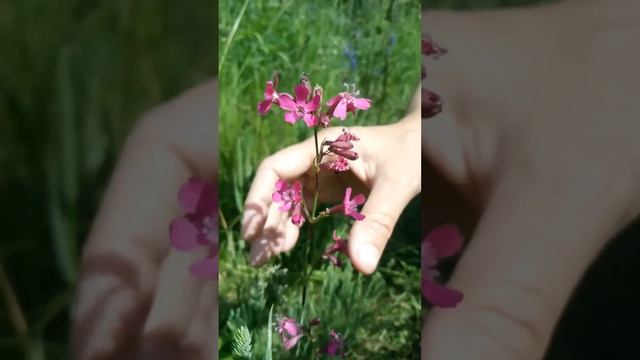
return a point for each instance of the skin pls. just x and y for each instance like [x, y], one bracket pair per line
[136, 298]
[540, 136]
[384, 152]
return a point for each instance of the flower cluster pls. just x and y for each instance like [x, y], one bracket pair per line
[431, 102]
[332, 155]
[198, 227]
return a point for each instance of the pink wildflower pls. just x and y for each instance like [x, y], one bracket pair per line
[335, 346]
[300, 108]
[290, 332]
[343, 145]
[340, 164]
[444, 241]
[288, 195]
[339, 245]
[347, 101]
[270, 97]
[198, 227]
[349, 206]
[291, 198]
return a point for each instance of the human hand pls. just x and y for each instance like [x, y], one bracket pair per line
[539, 130]
[388, 167]
[136, 297]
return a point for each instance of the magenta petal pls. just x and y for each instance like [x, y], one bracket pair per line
[290, 343]
[286, 206]
[290, 117]
[286, 102]
[334, 100]
[206, 268]
[264, 106]
[184, 234]
[341, 110]
[313, 104]
[268, 90]
[347, 196]
[196, 196]
[357, 216]
[359, 199]
[446, 240]
[361, 103]
[281, 185]
[440, 295]
[301, 93]
[310, 120]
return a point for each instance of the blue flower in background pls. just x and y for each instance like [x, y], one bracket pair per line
[350, 53]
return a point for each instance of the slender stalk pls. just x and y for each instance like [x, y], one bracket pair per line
[312, 218]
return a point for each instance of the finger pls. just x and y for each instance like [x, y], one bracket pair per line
[368, 238]
[289, 163]
[173, 308]
[201, 341]
[268, 238]
[530, 249]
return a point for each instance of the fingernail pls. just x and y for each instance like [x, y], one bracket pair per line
[368, 257]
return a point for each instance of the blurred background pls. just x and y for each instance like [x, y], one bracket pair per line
[601, 320]
[74, 76]
[375, 45]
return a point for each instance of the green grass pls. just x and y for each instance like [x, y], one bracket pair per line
[74, 76]
[379, 315]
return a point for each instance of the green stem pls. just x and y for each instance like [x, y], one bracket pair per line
[312, 218]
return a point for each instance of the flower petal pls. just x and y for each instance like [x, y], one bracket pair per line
[341, 110]
[302, 92]
[290, 117]
[440, 295]
[361, 103]
[286, 102]
[334, 100]
[310, 120]
[313, 104]
[290, 343]
[359, 199]
[446, 240]
[268, 90]
[197, 196]
[206, 268]
[264, 106]
[184, 234]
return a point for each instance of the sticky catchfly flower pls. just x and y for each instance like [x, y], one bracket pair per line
[270, 97]
[343, 145]
[339, 245]
[290, 332]
[300, 108]
[347, 101]
[444, 241]
[291, 198]
[198, 227]
[349, 205]
[338, 165]
[335, 346]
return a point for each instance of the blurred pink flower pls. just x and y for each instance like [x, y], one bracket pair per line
[444, 241]
[345, 102]
[288, 195]
[335, 346]
[338, 245]
[291, 198]
[270, 97]
[299, 108]
[290, 332]
[340, 164]
[199, 226]
[349, 206]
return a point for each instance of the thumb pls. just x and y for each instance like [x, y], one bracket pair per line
[369, 237]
